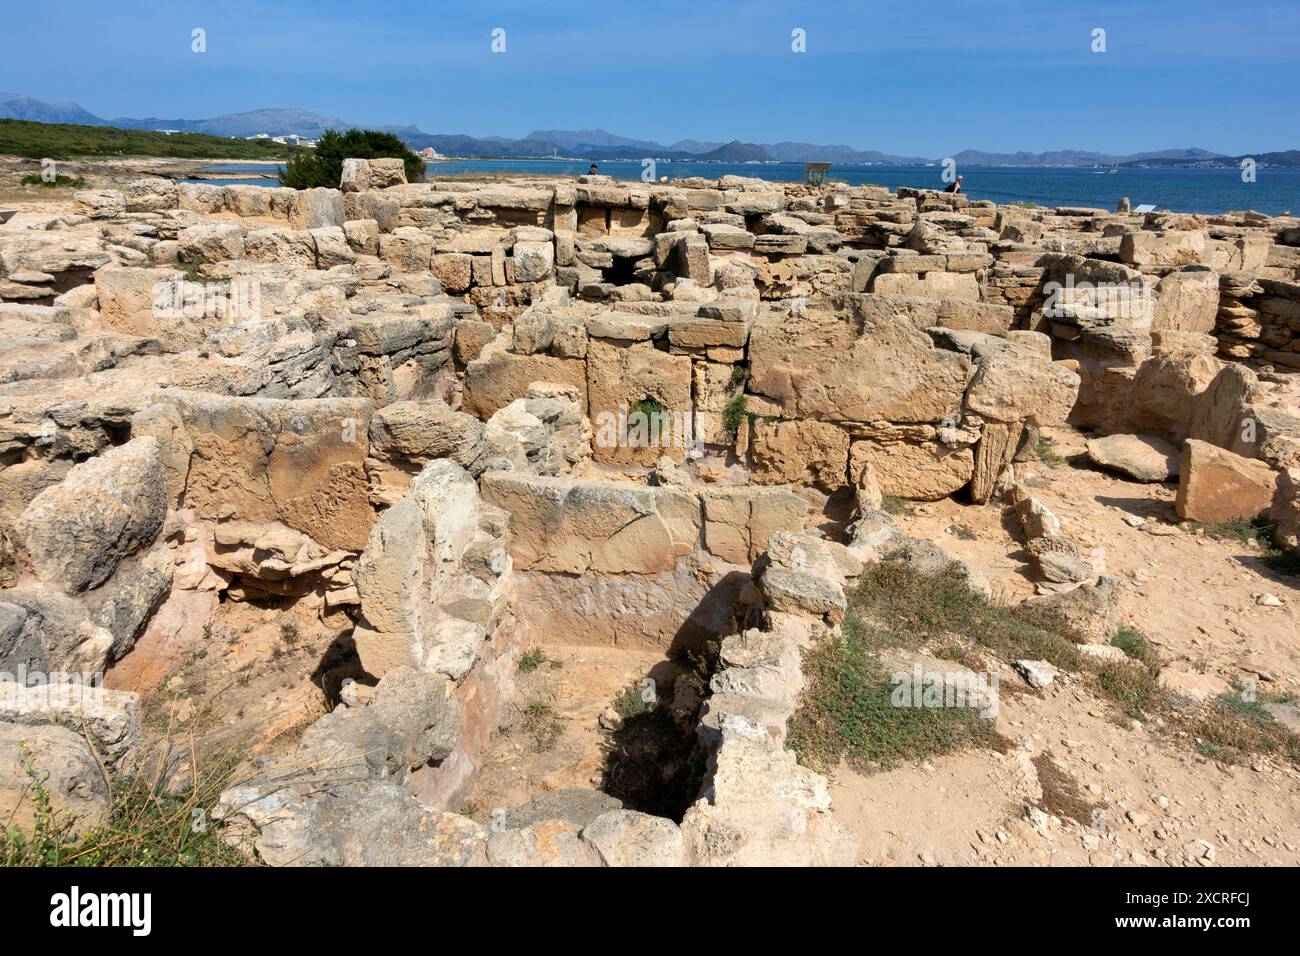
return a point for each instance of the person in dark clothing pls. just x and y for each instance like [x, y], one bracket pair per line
[592, 171]
[954, 187]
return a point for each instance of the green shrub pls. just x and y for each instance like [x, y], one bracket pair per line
[733, 416]
[647, 407]
[631, 702]
[323, 166]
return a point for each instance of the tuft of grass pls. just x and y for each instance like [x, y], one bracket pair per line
[1239, 530]
[898, 507]
[631, 703]
[1047, 452]
[1061, 794]
[147, 824]
[733, 416]
[290, 632]
[1136, 690]
[532, 660]
[1137, 646]
[739, 376]
[542, 725]
[648, 407]
[192, 267]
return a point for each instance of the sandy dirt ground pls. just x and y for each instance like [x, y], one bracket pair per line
[1152, 800]
[234, 674]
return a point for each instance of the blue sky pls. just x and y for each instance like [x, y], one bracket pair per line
[895, 75]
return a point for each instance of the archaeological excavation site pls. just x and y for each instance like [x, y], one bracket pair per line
[571, 521]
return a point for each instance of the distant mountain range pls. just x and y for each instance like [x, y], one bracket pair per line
[598, 144]
[1284, 158]
[18, 106]
[1078, 157]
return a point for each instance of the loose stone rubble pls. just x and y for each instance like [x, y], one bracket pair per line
[455, 416]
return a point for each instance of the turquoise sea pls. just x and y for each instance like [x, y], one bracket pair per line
[1186, 190]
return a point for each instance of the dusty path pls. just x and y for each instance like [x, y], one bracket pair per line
[1159, 800]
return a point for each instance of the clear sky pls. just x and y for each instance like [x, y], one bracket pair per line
[900, 76]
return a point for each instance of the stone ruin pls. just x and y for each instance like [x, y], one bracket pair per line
[432, 412]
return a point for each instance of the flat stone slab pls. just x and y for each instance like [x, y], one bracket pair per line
[627, 327]
[1141, 457]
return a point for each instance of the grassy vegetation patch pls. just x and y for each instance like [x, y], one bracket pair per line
[1260, 531]
[916, 610]
[898, 507]
[1047, 451]
[631, 702]
[58, 182]
[733, 416]
[1239, 530]
[647, 407]
[1062, 796]
[846, 711]
[1231, 734]
[148, 825]
[532, 659]
[542, 725]
[42, 140]
[1137, 646]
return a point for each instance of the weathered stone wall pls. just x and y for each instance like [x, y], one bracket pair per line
[599, 562]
